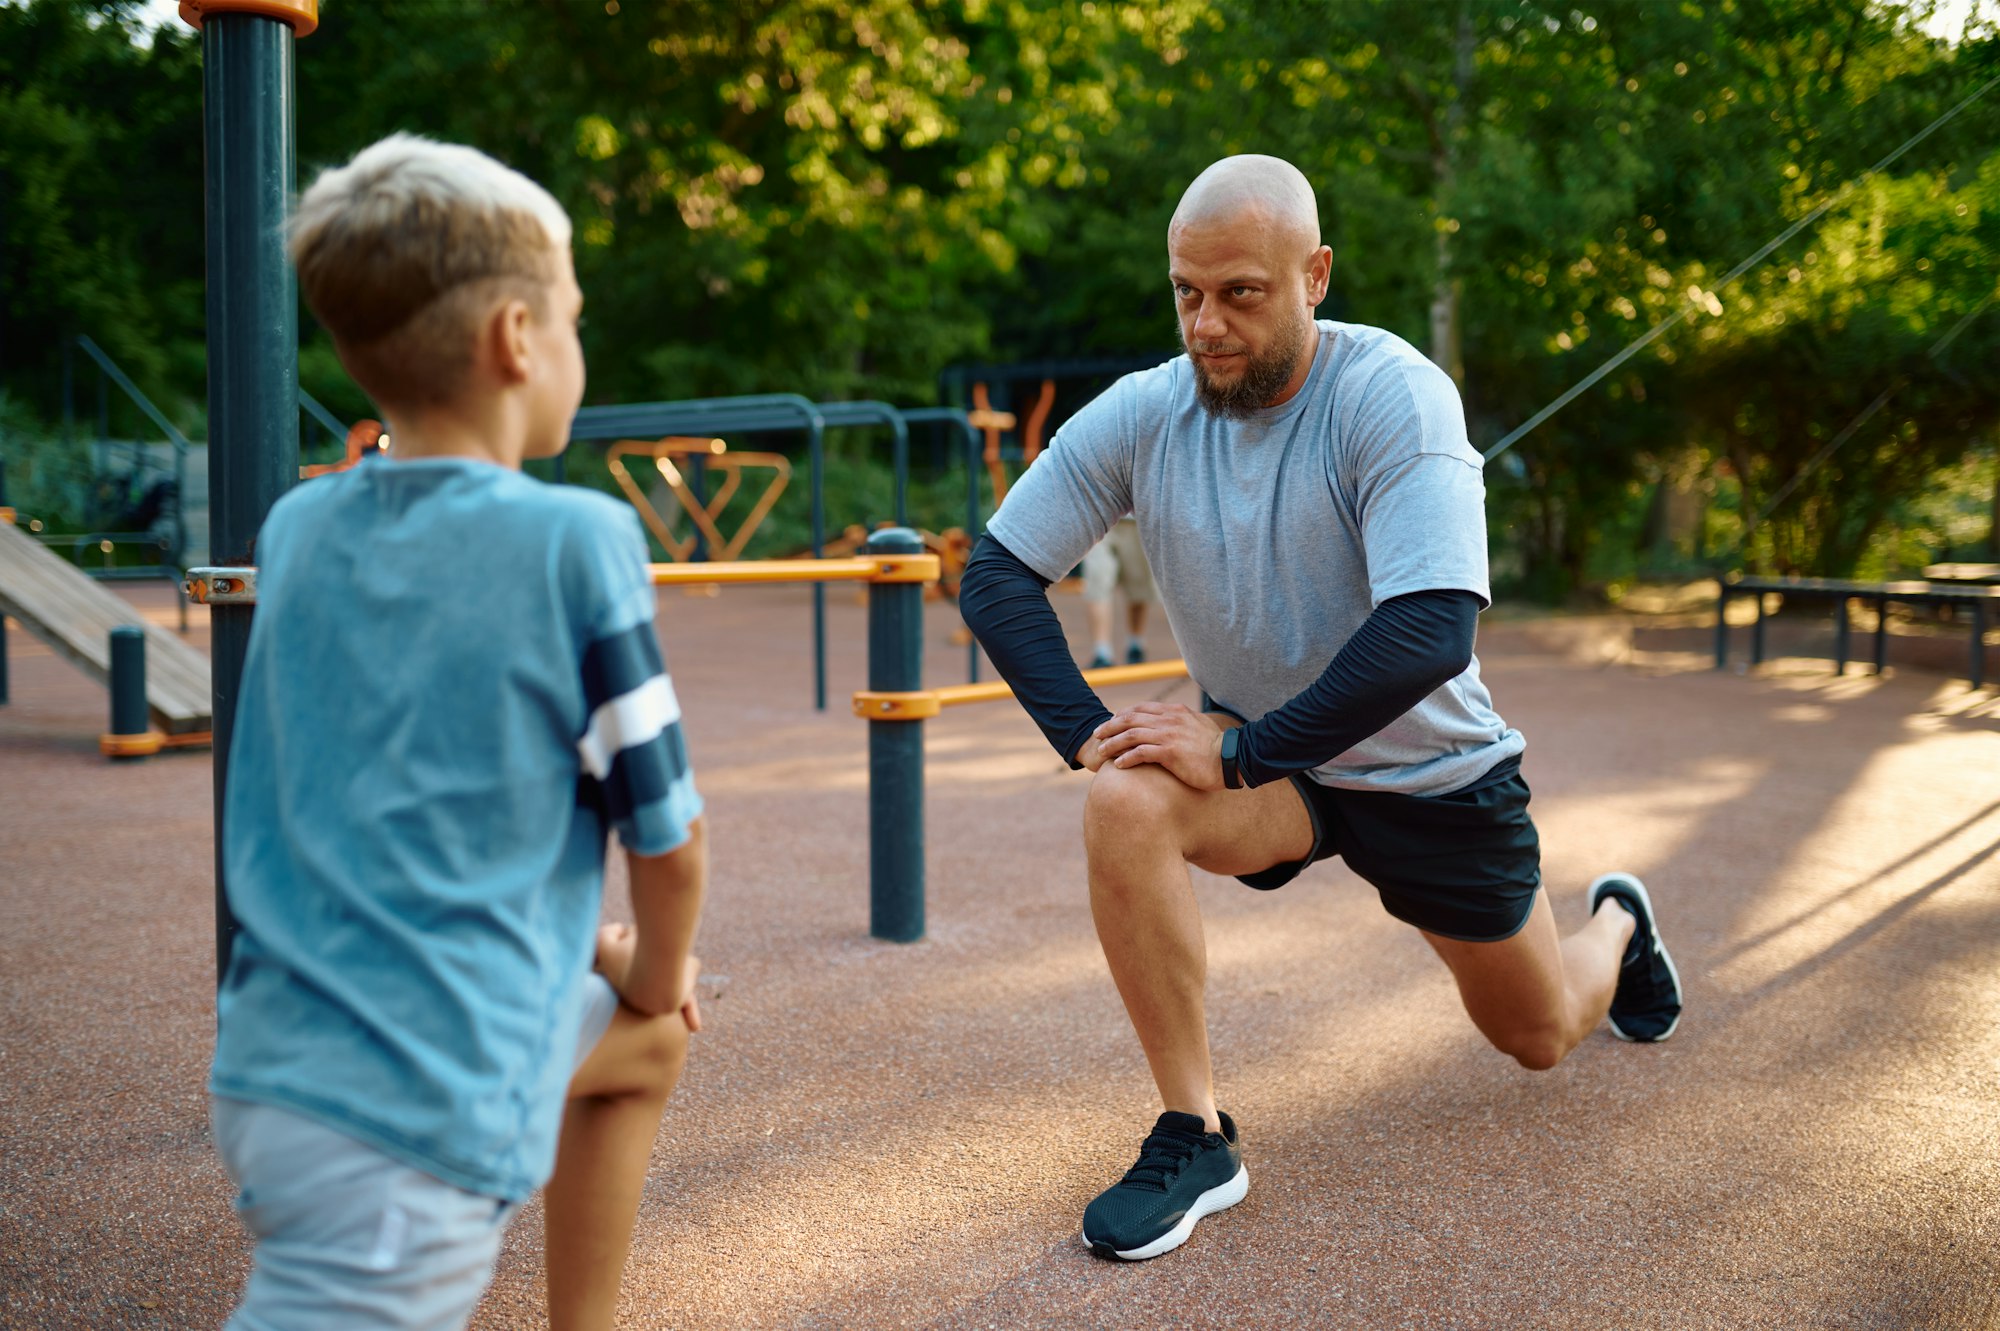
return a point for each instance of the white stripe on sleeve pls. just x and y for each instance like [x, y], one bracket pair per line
[630, 718]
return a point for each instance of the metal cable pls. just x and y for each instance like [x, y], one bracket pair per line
[1734, 273]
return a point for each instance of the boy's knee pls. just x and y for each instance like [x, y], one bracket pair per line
[658, 1055]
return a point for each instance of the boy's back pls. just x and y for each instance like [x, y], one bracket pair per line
[414, 836]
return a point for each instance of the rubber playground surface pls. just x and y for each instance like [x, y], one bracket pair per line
[871, 1134]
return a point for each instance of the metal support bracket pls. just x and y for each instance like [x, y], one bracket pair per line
[221, 586]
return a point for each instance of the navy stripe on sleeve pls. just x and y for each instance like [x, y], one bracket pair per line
[619, 664]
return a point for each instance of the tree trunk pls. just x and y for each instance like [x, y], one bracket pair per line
[1446, 345]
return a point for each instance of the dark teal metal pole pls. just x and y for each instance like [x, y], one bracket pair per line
[816, 446]
[895, 751]
[253, 343]
[128, 682]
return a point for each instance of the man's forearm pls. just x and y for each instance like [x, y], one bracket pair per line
[667, 893]
[1401, 653]
[1006, 605]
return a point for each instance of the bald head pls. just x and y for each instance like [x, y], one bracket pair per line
[1266, 193]
[1247, 268]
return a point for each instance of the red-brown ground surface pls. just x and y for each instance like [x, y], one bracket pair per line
[880, 1135]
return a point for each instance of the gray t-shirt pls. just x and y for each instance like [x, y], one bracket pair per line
[1273, 538]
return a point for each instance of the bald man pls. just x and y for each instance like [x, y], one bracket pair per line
[1315, 517]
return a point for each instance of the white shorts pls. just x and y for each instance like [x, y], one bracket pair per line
[350, 1238]
[1118, 561]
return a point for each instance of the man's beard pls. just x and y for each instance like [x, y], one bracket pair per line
[1263, 377]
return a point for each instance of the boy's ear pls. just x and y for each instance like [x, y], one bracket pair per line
[506, 338]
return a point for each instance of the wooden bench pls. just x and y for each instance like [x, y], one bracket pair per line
[71, 612]
[1974, 598]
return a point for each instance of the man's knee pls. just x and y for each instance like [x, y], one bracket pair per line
[1133, 804]
[1536, 1047]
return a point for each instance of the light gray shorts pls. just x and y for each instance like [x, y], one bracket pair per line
[348, 1237]
[1118, 563]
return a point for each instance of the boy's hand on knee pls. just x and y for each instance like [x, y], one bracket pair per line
[617, 947]
[690, 1009]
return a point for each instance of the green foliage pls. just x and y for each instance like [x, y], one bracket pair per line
[841, 197]
[100, 178]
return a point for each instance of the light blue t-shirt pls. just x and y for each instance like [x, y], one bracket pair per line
[1272, 538]
[453, 691]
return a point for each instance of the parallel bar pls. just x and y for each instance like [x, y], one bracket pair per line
[896, 568]
[958, 695]
[236, 585]
[914, 705]
[1757, 632]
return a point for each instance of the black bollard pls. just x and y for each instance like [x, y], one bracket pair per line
[895, 751]
[131, 734]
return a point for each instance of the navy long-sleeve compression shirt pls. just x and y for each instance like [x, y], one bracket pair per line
[1406, 648]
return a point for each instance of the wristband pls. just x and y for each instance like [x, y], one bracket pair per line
[1232, 779]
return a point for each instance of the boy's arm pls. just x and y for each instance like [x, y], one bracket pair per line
[667, 891]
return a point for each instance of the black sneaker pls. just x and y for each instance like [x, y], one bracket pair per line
[1182, 1175]
[1647, 1004]
[1100, 661]
[1134, 653]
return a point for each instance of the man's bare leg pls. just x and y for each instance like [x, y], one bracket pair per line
[609, 1123]
[1535, 996]
[1142, 828]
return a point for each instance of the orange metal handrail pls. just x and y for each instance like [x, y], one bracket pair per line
[926, 703]
[881, 568]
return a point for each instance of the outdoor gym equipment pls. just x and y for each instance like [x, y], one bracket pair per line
[790, 412]
[1972, 597]
[702, 510]
[896, 570]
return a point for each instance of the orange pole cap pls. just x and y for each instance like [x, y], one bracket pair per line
[919, 706]
[303, 15]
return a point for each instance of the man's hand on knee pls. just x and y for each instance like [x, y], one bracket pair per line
[1171, 735]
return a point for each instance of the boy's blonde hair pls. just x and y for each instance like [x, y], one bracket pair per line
[403, 252]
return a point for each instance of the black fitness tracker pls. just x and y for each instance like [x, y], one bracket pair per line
[1231, 778]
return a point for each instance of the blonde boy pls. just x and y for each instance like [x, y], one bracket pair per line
[453, 691]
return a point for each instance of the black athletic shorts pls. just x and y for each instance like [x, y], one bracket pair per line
[1464, 865]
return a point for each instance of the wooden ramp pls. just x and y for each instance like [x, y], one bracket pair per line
[74, 615]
